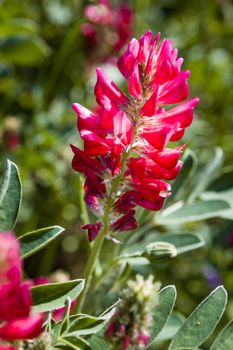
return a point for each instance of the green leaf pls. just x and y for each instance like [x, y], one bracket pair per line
[209, 173]
[172, 326]
[181, 213]
[10, 197]
[33, 241]
[99, 343]
[85, 324]
[14, 26]
[167, 298]
[23, 49]
[224, 340]
[186, 172]
[75, 343]
[52, 296]
[202, 322]
[184, 242]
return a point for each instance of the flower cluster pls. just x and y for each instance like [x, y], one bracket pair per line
[108, 28]
[16, 320]
[130, 326]
[125, 159]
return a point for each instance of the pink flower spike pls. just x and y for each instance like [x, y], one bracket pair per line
[22, 328]
[126, 140]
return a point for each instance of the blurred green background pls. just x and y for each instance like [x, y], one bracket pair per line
[46, 64]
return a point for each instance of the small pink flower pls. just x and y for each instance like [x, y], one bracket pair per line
[93, 230]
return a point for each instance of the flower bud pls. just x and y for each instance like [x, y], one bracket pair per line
[158, 251]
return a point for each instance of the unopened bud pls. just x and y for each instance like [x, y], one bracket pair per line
[158, 251]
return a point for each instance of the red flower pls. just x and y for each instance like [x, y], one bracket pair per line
[128, 136]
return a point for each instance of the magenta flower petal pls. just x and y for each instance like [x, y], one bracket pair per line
[126, 223]
[127, 61]
[22, 328]
[93, 230]
[107, 92]
[15, 301]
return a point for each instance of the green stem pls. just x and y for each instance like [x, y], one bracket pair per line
[95, 251]
[83, 209]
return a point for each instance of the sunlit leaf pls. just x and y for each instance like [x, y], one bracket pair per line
[202, 322]
[33, 241]
[52, 296]
[10, 197]
[167, 298]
